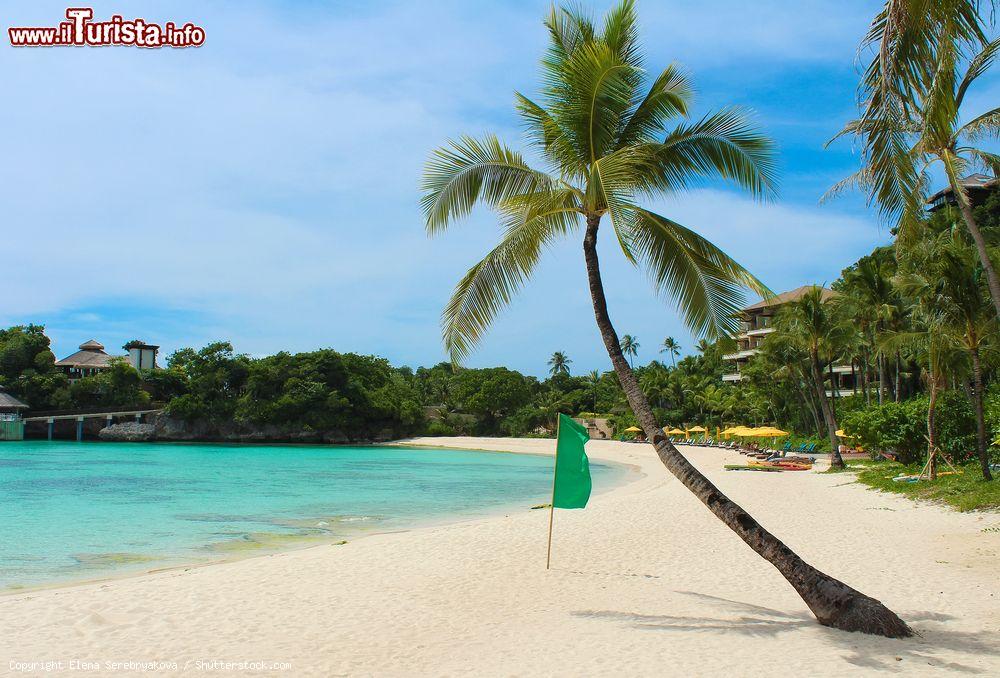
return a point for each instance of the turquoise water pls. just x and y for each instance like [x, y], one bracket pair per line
[71, 511]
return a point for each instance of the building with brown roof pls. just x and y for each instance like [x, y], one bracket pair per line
[977, 186]
[9, 405]
[11, 423]
[91, 359]
[757, 321]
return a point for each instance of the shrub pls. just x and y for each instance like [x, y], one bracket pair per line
[902, 427]
[439, 428]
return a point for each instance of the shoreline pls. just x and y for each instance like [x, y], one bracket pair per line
[644, 577]
[626, 474]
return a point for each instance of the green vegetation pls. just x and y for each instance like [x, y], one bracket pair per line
[965, 491]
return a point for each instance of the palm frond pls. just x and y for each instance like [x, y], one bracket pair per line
[668, 96]
[704, 282]
[621, 33]
[544, 131]
[860, 180]
[985, 126]
[989, 161]
[467, 171]
[591, 96]
[534, 222]
[723, 145]
[978, 66]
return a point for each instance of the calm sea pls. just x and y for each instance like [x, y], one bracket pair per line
[71, 511]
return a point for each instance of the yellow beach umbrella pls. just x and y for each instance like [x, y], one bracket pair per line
[771, 432]
[840, 434]
[697, 429]
[675, 432]
[633, 429]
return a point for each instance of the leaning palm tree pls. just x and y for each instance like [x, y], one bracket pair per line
[671, 346]
[559, 363]
[630, 347]
[912, 98]
[606, 134]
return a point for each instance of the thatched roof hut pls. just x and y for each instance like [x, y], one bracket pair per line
[90, 356]
[9, 403]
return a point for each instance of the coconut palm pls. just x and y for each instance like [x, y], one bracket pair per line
[559, 363]
[947, 280]
[871, 301]
[607, 135]
[671, 346]
[630, 347]
[810, 321]
[929, 343]
[913, 95]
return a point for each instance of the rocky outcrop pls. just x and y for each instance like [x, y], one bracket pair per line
[168, 428]
[128, 432]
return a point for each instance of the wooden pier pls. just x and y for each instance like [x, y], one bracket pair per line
[79, 418]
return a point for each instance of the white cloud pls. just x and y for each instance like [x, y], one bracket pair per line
[263, 188]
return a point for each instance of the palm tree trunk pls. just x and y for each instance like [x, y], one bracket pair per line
[883, 379]
[866, 369]
[833, 602]
[977, 386]
[810, 405]
[831, 422]
[977, 236]
[931, 429]
[897, 385]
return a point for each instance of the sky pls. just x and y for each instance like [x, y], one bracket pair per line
[264, 188]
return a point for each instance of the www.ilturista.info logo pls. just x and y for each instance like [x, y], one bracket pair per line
[80, 31]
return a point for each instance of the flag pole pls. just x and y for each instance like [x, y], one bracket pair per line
[552, 506]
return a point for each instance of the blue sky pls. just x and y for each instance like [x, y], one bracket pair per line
[264, 187]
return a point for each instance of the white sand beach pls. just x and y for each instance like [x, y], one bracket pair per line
[645, 581]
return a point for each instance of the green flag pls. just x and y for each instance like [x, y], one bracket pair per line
[571, 487]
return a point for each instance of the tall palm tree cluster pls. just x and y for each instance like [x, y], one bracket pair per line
[927, 57]
[609, 133]
[914, 321]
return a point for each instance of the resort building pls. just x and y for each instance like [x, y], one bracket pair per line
[142, 356]
[757, 322]
[91, 359]
[977, 186]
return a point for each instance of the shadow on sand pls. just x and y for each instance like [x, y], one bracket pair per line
[863, 651]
